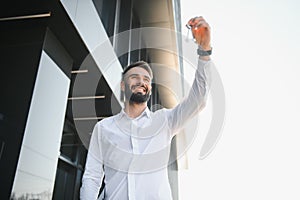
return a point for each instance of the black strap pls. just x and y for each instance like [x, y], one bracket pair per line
[201, 52]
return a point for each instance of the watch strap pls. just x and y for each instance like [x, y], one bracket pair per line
[201, 52]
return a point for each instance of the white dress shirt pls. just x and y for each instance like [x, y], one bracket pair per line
[133, 153]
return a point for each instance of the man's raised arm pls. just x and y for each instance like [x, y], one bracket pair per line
[196, 99]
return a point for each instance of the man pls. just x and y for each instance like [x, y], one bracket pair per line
[131, 148]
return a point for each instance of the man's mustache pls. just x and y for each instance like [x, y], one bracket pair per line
[141, 86]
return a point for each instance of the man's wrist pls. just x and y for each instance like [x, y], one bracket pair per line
[204, 52]
[204, 58]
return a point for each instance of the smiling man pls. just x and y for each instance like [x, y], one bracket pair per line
[131, 149]
[136, 84]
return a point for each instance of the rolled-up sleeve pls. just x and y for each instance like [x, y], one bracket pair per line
[93, 174]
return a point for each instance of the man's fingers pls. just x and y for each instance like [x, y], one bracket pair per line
[201, 31]
[197, 18]
[197, 21]
[201, 24]
[192, 20]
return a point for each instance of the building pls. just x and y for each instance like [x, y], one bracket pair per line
[61, 65]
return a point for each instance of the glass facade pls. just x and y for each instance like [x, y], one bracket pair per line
[38, 157]
[56, 38]
[107, 12]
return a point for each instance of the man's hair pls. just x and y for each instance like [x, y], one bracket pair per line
[141, 64]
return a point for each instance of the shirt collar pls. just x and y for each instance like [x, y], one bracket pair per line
[146, 113]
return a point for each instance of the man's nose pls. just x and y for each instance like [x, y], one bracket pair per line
[140, 81]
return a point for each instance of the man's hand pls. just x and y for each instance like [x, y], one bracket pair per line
[201, 32]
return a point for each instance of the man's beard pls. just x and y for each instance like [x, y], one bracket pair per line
[136, 97]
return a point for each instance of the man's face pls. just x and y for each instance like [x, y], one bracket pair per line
[137, 85]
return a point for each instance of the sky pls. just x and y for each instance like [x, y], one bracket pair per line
[255, 50]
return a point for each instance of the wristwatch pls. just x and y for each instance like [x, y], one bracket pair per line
[201, 52]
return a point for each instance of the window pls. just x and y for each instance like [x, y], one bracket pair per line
[107, 12]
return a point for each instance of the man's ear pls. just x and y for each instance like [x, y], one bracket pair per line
[122, 84]
[150, 90]
[122, 88]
